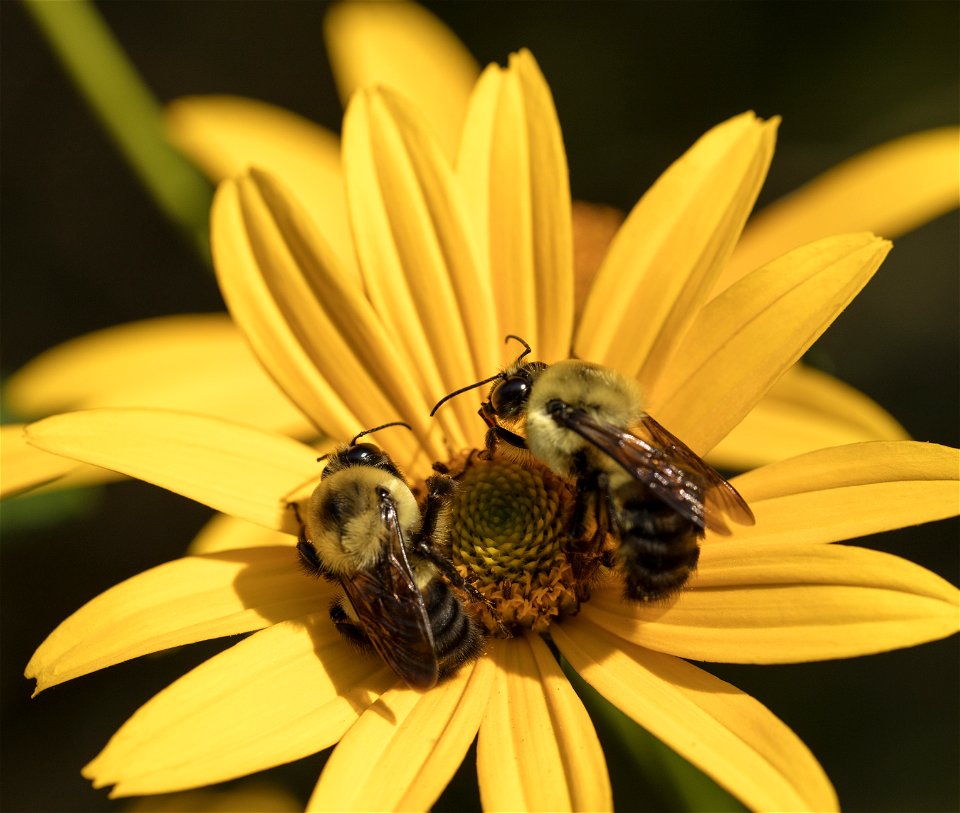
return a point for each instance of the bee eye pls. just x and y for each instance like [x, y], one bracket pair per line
[510, 395]
[363, 454]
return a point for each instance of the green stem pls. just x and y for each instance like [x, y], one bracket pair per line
[128, 111]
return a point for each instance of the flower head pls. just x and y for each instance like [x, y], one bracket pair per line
[447, 257]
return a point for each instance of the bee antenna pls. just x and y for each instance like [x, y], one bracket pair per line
[323, 457]
[377, 429]
[463, 390]
[527, 350]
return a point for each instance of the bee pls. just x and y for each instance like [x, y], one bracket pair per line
[364, 529]
[645, 487]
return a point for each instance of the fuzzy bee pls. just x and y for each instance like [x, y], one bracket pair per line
[364, 529]
[644, 485]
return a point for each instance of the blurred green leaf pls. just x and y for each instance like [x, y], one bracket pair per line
[113, 88]
[42, 509]
[46, 510]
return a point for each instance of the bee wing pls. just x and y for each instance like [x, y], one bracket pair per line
[722, 499]
[391, 610]
[663, 463]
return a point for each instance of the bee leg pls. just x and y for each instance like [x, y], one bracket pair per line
[309, 558]
[490, 419]
[586, 486]
[606, 516]
[578, 519]
[423, 549]
[351, 631]
[592, 493]
[496, 434]
[439, 488]
[296, 514]
[487, 414]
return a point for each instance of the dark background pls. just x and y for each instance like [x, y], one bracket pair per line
[635, 84]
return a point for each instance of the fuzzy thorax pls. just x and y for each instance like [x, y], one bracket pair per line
[344, 522]
[603, 394]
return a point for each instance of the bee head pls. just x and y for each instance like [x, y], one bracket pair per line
[509, 395]
[361, 454]
[364, 454]
[511, 389]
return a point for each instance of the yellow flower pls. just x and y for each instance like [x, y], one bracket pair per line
[445, 260]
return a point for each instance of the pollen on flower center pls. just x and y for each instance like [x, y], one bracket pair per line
[507, 535]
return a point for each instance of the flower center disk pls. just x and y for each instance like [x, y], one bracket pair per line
[508, 527]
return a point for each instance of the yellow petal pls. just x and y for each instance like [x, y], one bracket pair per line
[723, 731]
[404, 748]
[415, 253]
[34, 477]
[666, 257]
[403, 46]
[888, 190]
[231, 468]
[537, 748]
[239, 268]
[180, 602]
[514, 171]
[195, 363]
[849, 491]
[770, 602]
[315, 332]
[750, 335]
[804, 411]
[281, 694]
[224, 532]
[227, 135]
[23, 467]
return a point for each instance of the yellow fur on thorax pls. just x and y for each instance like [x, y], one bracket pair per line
[605, 394]
[355, 541]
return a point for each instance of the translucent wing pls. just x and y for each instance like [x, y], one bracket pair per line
[663, 463]
[391, 610]
[722, 499]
